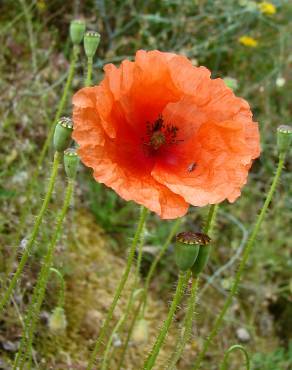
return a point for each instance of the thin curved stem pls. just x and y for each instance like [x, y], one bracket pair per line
[32, 316]
[129, 333]
[34, 233]
[31, 35]
[242, 264]
[150, 361]
[186, 330]
[61, 298]
[231, 349]
[105, 327]
[116, 329]
[109, 343]
[60, 109]
[61, 105]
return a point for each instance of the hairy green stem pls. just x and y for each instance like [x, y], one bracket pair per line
[60, 109]
[88, 81]
[242, 264]
[105, 327]
[133, 290]
[161, 253]
[30, 243]
[186, 330]
[231, 349]
[150, 361]
[32, 316]
[146, 288]
[116, 329]
[109, 343]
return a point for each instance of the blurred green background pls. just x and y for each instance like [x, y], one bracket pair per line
[246, 42]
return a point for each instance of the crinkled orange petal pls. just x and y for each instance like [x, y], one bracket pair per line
[209, 139]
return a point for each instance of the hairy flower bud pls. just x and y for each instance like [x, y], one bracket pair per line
[140, 332]
[187, 248]
[77, 29]
[284, 138]
[71, 162]
[57, 321]
[62, 135]
[91, 42]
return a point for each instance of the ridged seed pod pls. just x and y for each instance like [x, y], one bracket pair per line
[62, 135]
[91, 42]
[186, 249]
[284, 138]
[71, 162]
[77, 30]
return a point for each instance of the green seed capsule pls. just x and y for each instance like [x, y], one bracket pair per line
[201, 260]
[91, 42]
[77, 30]
[187, 248]
[284, 138]
[62, 135]
[71, 162]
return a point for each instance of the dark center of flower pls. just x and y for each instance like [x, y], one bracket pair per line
[157, 139]
[159, 134]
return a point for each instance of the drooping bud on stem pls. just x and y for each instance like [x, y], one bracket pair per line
[77, 30]
[71, 162]
[140, 332]
[284, 138]
[186, 249]
[62, 135]
[91, 42]
[57, 321]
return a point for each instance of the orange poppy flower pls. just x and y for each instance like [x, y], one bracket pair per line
[162, 133]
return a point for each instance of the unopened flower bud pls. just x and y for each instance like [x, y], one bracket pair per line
[140, 332]
[71, 162]
[77, 30]
[91, 42]
[62, 135]
[186, 249]
[284, 138]
[57, 321]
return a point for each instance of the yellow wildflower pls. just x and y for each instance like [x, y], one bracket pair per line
[248, 41]
[267, 8]
[41, 5]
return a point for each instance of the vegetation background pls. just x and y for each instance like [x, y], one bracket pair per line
[35, 50]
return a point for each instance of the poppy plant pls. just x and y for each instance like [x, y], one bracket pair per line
[162, 133]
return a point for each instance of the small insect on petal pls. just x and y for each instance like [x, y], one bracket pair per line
[192, 166]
